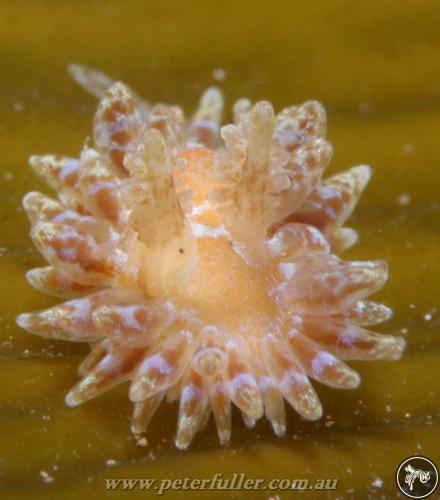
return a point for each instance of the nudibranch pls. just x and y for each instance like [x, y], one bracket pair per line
[199, 262]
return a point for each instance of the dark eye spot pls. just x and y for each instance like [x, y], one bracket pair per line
[181, 250]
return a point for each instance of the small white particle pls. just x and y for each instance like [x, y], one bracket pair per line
[8, 176]
[141, 441]
[408, 148]
[110, 462]
[364, 108]
[377, 483]
[427, 317]
[404, 199]
[219, 74]
[47, 478]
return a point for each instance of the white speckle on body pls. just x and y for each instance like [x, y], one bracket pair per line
[321, 362]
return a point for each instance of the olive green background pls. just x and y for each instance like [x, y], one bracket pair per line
[376, 67]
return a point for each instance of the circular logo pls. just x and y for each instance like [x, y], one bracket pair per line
[417, 477]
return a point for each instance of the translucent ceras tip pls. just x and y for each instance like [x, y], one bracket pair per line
[207, 118]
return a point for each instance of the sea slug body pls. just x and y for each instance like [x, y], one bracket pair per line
[199, 261]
